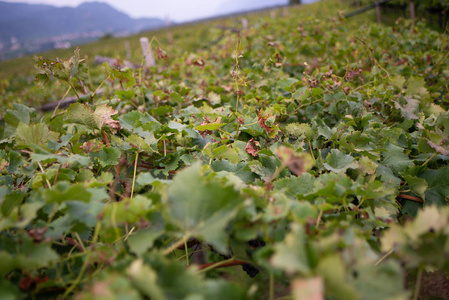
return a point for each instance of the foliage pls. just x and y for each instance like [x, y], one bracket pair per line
[297, 146]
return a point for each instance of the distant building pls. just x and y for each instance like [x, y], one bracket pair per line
[62, 45]
[15, 45]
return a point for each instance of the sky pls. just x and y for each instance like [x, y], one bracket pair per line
[177, 10]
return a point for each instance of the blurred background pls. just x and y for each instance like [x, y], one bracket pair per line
[31, 26]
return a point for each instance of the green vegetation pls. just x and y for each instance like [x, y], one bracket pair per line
[312, 147]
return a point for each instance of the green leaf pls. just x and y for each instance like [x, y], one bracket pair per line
[15, 161]
[417, 185]
[398, 81]
[124, 75]
[134, 120]
[110, 285]
[143, 240]
[210, 126]
[286, 82]
[291, 255]
[223, 290]
[84, 213]
[336, 161]
[295, 186]
[20, 114]
[437, 192]
[302, 131]
[10, 202]
[71, 159]
[7, 289]
[223, 152]
[396, 159]
[21, 217]
[82, 114]
[176, 98]
[142, 145]
[333, 270]
[64, 191]
[32, 256]
[416, 86]
[423, 241]
[145, 280]
[38, 134]
[238, 169]
[214, 98]
[303, 211]
[202, 208]
[108, 156]
[129, 210]
[410, 110]
[148, 179]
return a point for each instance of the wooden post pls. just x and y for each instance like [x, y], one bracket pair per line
[357, 3]
[169, 37]
[245, 23]
[128, 49]
[169, 34]
[379, 20]
[412, 13]
[146, 51]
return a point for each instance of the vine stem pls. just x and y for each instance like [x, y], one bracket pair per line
[42, 169]
[176, 245]
[318, 220]
[277, 172]
[78, 278]
[86, 262]
[383, 257]
[271, 286]
[236, 78]
[224, 263]
[60, 101]
[134, 175]
[372, 56]
[52, 214]
[311, 151]
[74, 90]
[412, 198]
[99, 87]
[187, 252]
[114, 220]
[193, 252]
[430, 158]
[418, 284]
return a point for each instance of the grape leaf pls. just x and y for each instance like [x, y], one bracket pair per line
[38, 134]
[336, 161]
[201, 208]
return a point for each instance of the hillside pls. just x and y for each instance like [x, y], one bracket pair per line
[26, 28]
[232, 6]
[27, 21]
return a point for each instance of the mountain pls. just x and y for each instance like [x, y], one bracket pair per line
[25, 22]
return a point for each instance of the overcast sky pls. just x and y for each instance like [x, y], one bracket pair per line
[178, 10]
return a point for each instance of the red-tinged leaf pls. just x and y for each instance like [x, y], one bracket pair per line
[261, 120]
[251, 147]
[297, 163]
[308, 288]
[438, 148]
